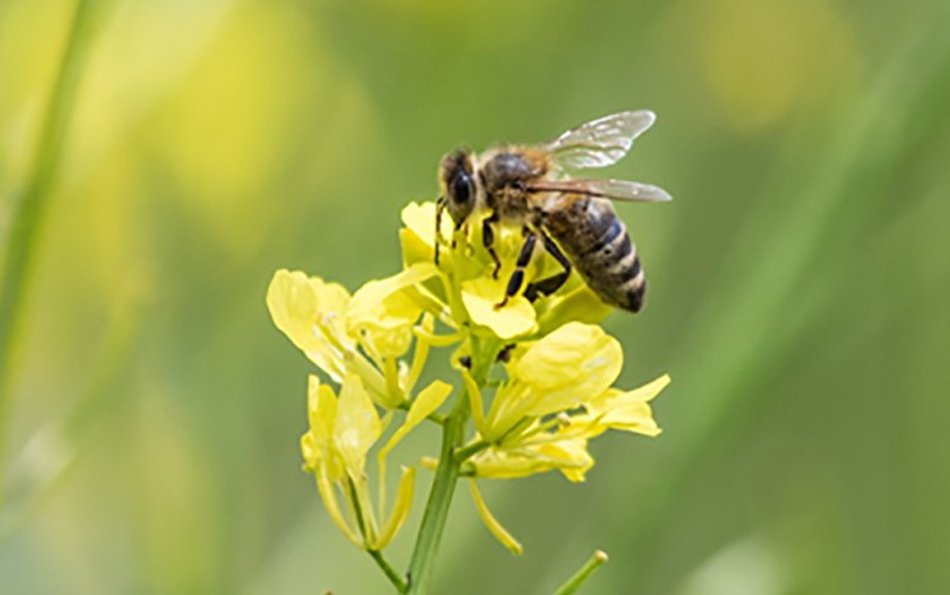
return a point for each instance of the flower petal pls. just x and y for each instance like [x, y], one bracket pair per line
[401, 508]
[501, 464]
[417, 238]
[382, 312]
[427, 401]
[574, 363]
[568, 455]
[573, 456]
[317, 444]
[516, 318]
[357, 426]
[419, 219]
[580, 304]
[310, 312]
[627, 410]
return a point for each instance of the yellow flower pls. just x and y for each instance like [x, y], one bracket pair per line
[310, 312]
[557, 397]
[470, 291]
[574, 363]
[540, 444]
[365, 334]
[551, 367]
[382, 313]
[569, 455]
[342, 432]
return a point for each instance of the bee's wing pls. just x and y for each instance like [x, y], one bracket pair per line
[601, 142]
[613, 189]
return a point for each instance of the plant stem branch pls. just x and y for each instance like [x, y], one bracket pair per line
[29, 208]
[574, 583]
[466, 452]
[389, 571]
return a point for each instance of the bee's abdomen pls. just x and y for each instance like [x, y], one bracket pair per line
[600, 248]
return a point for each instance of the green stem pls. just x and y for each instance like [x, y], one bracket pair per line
[389, 571]
[574, 583]
[28, 210]
[440, 497]
[466, 452]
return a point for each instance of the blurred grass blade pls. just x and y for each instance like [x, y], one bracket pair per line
[29, 208]
[873, 138]
[52, 449]
[903, 110]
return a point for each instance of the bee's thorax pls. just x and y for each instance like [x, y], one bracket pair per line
[505, 174]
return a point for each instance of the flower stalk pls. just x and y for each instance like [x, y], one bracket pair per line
[440, 498]
[398, 582]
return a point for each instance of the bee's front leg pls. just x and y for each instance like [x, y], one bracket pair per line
[517, 277]
[439, 240]
[488, 240]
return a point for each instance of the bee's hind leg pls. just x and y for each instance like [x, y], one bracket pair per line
[517, 277]
[554, 282]
[488, 240]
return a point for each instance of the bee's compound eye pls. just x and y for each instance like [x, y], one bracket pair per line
[462, 188]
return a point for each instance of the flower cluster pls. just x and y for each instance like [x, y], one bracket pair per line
[536, 376]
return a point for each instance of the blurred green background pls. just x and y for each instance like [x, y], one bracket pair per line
[798, 293]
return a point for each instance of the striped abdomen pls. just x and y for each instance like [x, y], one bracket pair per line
[597, 243]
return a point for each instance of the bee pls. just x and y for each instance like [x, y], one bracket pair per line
[529, 186]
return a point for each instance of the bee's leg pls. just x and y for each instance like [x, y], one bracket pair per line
[488, 239]
[554, 282]
[517, 277]
[439, 209]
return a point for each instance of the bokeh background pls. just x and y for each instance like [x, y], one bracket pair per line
[799, 285]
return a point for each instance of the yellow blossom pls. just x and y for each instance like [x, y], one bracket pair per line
[574, 363]
[382, 313]
[569, 455]
[471, 291]
[536, 444]
[547, 368]
[317, 445]
[310, 312]
[557, 397]
[342, 431]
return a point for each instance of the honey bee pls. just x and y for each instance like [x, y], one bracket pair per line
[528, 186]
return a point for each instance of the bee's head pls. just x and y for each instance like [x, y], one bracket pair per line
[457, 184]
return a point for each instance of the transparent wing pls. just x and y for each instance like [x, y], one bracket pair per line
[600, 143]
[613, 189]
